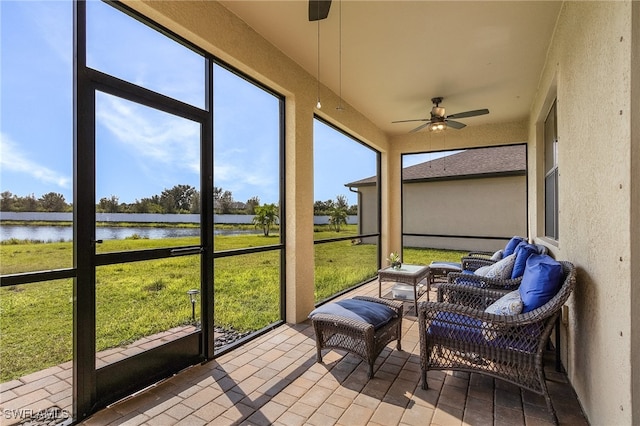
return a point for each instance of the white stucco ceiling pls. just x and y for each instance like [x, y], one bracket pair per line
[397, 55]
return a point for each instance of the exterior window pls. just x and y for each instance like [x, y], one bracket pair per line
[113, 243]
[346, 211]
[551, 175]
[248, 277]
[36, 201]
[496, 187]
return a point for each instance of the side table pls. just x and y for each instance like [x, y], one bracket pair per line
[407, 274]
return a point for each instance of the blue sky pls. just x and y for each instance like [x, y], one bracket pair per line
[35, 149]
[140, 152]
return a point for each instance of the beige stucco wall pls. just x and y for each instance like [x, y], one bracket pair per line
[492, 134]
[588, 66]
[490, 207]
[368, 211]
[634, 115]
[213, 28]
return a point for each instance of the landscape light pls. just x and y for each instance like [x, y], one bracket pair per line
[193, 297]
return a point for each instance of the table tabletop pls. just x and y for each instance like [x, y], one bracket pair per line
[407, 274]
[408, 270]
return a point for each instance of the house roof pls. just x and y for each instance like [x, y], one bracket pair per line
[470, 163]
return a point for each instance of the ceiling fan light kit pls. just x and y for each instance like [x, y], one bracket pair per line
[437, 126]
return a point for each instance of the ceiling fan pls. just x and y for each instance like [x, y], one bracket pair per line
[439, 121]
[319, 9]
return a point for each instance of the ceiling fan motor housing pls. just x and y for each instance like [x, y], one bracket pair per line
[437, 111]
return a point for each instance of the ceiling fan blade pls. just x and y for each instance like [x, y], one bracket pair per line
[420, 127]
[469, 113]
[406, 121]
[455, 124]
[319, 9]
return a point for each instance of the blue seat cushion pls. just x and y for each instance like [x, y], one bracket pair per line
[511, 246]
[372, 313]
[457, 327]
[472, 283]
[540, 282]
[446, 265]
[460, 328]
[523, 251]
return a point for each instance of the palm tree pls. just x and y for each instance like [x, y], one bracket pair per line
[338, 217]
[266, 216]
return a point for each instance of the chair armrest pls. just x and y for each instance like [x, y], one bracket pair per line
[470, 263]
[469, 296]
[483, 282]
[480, 254]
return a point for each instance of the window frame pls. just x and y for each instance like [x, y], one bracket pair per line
[551, 173]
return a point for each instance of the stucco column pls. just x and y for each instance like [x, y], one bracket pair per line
[391, 231]
[300, 282]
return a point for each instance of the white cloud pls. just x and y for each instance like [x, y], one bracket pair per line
[14, 160]
[52, 20]
[168, 141]
[246, 172]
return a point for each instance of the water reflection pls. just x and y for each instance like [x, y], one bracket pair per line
[65, 233]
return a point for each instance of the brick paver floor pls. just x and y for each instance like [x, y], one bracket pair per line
[275, 380]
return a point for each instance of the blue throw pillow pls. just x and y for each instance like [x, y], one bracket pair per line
[372, 313]
[540, 282]
[497, 255]
[509, 304]
[523, 251]
[511, 246]
[501, 270]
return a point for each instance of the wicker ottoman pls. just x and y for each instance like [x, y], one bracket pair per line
[362, 326]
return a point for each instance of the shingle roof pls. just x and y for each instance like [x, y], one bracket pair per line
[477, 162]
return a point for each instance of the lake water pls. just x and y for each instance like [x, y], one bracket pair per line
[65, 233]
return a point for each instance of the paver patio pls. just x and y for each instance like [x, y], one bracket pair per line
[275, 379]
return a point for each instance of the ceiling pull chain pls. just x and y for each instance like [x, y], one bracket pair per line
[340, 107]
[318, 104]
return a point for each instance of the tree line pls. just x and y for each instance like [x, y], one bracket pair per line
[176, 200]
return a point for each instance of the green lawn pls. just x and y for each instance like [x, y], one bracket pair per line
[138, 299]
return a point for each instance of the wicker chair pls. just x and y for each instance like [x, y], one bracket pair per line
[358, 337]
[461, 336]
[488, 254]
[459, 279]
[475, 260]
[502, 285]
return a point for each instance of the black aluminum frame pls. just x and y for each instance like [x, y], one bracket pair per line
[93, 388]
[379, 218]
